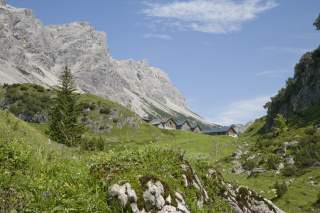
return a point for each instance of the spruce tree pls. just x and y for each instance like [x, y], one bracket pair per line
[63, 125]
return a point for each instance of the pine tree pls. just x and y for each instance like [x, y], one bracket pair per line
[63, 125]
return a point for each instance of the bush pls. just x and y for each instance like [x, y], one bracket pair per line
[273, 161]
[279, 125]
[281, 189]
[289, 171]
[250, 164]
[317, 203]
[93, 144]
[105, 110]
[309, 151]
[310, 131]
[26, 100]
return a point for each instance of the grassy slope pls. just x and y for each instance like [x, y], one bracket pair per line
[301, 194]
[40, 175]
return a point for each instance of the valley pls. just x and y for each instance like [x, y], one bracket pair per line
[81, 131]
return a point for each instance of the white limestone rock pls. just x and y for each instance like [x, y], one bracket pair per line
[153, 196]
[34, 53]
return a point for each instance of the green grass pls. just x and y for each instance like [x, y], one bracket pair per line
[301, 195]
[199, 146]
[37, 174]
[40, 175]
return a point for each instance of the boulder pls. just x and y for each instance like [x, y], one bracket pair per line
[237, 154]
[124, 194]
[153, 196]
[289, 160]
[257, 170]
[181, 207]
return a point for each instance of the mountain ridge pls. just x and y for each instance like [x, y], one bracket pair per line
[34, 53]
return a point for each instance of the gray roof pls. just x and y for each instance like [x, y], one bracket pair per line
[181, 123]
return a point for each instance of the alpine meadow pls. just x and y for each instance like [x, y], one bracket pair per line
[84, 131]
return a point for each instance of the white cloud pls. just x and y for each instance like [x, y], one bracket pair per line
[284, 49]
[157, 36]
[273, 73]
[209, 16]
[242, 111]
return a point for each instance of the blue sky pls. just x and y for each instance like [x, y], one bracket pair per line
[226, 56]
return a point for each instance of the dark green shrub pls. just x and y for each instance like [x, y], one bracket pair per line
[289, 171]
[105, 110]
[281, 189]
[308, 151]
[27, 100]
[310, 131]
[250, 164]
[273, 161]
[318, 200]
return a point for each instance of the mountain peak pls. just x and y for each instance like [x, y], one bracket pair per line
[32, 52]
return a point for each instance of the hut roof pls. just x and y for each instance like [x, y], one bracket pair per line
[181, 123]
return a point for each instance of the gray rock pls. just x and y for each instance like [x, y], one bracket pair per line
[181, 203]
[153, 196]
[258, 170]
[195, 182]
[169, 209]
[289, 145]
[237, 154]
[238, 168]
[243, 200]
[125, 194]
[33, 53]
[289, 161]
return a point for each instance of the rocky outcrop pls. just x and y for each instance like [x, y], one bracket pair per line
[191, 179]
[301, 93]
[153, 198]
[157, 198]
[242, 199]
[31, 52]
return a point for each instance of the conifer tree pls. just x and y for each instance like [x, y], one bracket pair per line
[63, 125]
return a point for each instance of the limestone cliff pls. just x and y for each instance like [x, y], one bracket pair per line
[32, 52]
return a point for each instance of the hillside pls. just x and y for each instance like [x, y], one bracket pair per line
[40, 175]
[299, 100]
[120, 164]
[34, 53]
[279, 154]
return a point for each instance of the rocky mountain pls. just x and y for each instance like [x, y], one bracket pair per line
[33, 53]
[300, 98]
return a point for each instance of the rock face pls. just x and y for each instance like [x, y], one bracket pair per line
[240, 199]
[302, 92]
[244, 200]
[31, 52]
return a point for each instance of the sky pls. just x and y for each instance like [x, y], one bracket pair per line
[227, 57]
